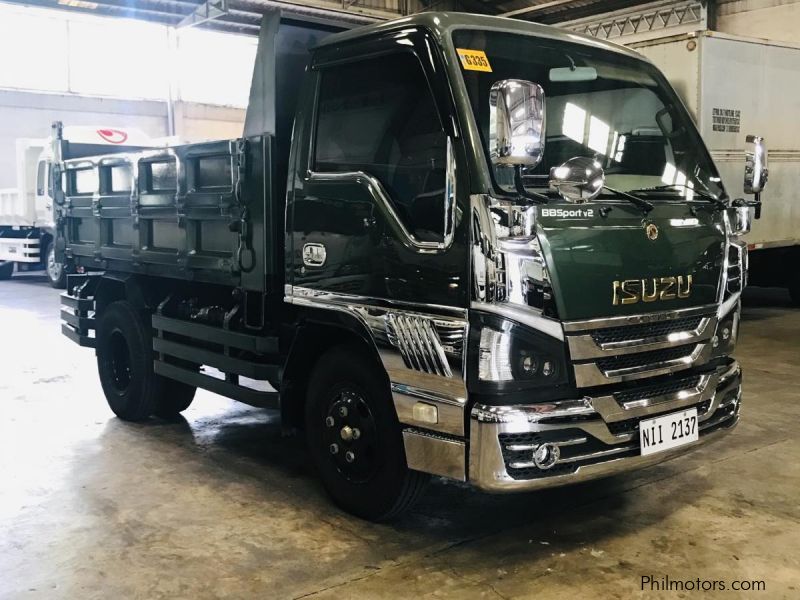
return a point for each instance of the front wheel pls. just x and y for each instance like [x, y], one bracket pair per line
[355, 440]
[56, 273]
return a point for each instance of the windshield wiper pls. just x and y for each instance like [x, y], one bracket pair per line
[641, 203]
[682, 186]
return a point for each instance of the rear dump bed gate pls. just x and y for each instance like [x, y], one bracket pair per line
[182, 348]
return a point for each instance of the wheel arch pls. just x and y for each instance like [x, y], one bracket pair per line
[119, 286]
[318, 331]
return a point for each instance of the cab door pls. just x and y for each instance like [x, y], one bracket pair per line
[373, 213]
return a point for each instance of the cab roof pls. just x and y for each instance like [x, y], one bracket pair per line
[443, 23]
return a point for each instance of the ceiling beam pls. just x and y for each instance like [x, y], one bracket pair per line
[536, 8]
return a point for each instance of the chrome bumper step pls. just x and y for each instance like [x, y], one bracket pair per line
[595, 436]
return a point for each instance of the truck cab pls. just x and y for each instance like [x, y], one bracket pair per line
[500, 253]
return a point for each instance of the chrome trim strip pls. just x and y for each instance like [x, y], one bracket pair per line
[728, 306]
[524, 316]
[598, 454]
[578, 458]
[612, 411]
[524, 447]
[384, 203]
[732, 370]
[583, 346]
[654, 317]
[589, 374]
[522, 416]
[292, 293]
[684, 361]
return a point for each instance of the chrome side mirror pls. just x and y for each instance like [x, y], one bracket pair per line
[516, 123]
[755, 165]
[580, 179]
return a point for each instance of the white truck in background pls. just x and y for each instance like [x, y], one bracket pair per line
[26, 212]
[733, 85]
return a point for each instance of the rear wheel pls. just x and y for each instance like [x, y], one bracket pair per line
[355, 439]
[6, 270]
[174, 398]
[125, 364]
[56, 273]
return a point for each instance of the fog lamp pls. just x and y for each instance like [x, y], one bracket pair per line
[546, 455]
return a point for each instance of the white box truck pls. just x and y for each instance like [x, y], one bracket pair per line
[733, 85]
[27, 227]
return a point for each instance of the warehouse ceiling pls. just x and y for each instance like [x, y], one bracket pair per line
[243, 16]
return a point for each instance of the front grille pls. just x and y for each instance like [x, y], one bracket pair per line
[645, 330]
[663, 386]
[626, 361]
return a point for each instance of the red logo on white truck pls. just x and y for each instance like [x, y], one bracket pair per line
[113, 136]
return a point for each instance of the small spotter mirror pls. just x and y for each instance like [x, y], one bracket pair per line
[580, 179]
[516, 123]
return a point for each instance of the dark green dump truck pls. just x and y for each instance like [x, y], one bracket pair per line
[454, 245]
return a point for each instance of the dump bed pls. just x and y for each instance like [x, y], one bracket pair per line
[210, 212]
[201, 212]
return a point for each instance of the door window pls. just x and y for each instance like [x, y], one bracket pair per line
[378, 116]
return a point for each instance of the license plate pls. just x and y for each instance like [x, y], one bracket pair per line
[668, 431]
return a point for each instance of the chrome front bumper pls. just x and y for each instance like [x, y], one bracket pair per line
[597, 436]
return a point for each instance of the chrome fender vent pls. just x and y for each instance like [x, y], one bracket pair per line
[419, 343]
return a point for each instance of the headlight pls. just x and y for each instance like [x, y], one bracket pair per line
[724, 340]
[512, 357]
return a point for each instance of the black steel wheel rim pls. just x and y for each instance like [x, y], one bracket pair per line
[349, 435]
[119, 360]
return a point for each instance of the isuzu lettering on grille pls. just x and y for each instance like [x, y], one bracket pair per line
[631, 291]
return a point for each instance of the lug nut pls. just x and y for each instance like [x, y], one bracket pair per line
[342, 411]
[350, 456]
[329, 421]
[356, 433]
[334, 448]
[346, 433]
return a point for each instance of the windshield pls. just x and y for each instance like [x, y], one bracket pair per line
[598, 104]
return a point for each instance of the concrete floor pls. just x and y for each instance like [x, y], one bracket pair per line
[220, 505]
